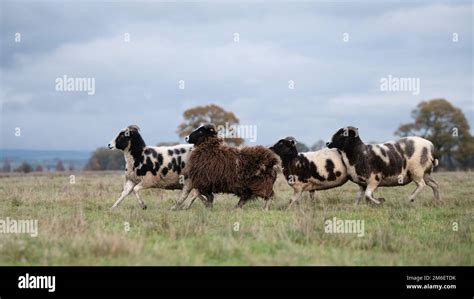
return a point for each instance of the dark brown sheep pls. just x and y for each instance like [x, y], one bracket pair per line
[218, 168]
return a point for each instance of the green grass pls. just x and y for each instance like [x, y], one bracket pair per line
[77, 228]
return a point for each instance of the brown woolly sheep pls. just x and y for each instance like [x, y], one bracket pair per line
[218, 168]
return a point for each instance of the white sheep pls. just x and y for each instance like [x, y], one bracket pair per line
[152, 167]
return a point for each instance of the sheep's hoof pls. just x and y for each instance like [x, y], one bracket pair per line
[174, 208]
[374, 202]
[144, 207]
[381, 199]
[186, 207]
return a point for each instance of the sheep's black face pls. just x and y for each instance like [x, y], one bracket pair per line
[124, 138]
[344, 138]
[285, 148]
[201, 134]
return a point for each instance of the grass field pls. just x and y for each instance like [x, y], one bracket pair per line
[77, 228]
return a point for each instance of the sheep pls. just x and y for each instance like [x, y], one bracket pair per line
[152, 167]
[392, 163]
[218, 168]
[310, 171]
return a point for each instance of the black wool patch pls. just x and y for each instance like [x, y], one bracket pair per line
[330, 169]
[424, 156]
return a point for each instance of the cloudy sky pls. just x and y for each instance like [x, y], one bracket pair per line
[335, 52]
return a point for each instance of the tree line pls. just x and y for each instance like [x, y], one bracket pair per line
[26, 167]
[436, 120]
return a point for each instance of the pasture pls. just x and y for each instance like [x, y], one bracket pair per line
[76, 226]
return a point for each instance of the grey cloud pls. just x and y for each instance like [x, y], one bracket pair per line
[336, 83]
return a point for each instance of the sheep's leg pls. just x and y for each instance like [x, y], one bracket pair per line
[268, 203]
[360, 193]
[243, 200]
[420, 184]
[140, 201]
[371, 187]
[127, 188]
[182, 197]
[433, 184]
[311, 195]
[208, 200]
[241, 203]
[295, 198]
[195, 195]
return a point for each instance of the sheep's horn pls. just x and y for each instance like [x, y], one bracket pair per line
[134, 127]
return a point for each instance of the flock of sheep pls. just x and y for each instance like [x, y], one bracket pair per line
[207, 166]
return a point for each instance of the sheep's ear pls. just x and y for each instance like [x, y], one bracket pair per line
[212, 128]
[133, 128]
[356, 131]
[292, 140]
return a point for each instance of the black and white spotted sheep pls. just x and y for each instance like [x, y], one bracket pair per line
[392, 163]
[152, 167]
[310, 171]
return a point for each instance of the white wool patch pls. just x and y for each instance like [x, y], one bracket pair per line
[319, 158]
[377, 150]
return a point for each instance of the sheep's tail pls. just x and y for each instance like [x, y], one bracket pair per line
[434, 159]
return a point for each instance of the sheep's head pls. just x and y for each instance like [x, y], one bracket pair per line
[125, 137]
[285, 148]
[201, 134]
[344, 138]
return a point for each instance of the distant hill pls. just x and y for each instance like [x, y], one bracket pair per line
[46, 158]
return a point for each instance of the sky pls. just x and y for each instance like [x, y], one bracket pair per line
[240, 55]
